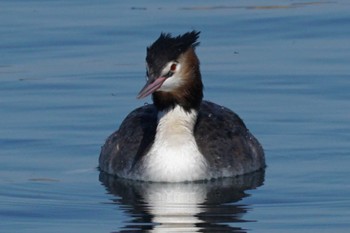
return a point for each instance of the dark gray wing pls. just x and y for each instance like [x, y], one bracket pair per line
[130, 142]
[226, 143]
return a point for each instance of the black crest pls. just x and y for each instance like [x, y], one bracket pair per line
[167, 48]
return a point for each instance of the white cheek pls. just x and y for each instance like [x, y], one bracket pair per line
[174, 81]
[171, 83]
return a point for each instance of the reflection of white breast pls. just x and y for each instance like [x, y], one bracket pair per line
[175, 206]
[174, 156]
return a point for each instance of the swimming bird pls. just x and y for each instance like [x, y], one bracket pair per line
[180, 137]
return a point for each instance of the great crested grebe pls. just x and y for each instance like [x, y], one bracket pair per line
[179, 137]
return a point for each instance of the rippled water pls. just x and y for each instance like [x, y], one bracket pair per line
[69, 74]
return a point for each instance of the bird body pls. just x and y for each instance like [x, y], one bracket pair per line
[179, 137]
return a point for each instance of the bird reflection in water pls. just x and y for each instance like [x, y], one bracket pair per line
[183, 207]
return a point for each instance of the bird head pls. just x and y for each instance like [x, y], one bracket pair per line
[172, 70]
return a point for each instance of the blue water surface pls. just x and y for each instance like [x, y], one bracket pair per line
[70, 72]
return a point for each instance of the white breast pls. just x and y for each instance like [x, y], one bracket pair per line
[174, 156]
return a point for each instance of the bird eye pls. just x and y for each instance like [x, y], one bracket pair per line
[173, 67]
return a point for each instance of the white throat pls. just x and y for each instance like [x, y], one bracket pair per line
[174, 156]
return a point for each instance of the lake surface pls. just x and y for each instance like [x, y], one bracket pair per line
[69, 74]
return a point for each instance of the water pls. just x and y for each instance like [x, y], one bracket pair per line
[69, 74]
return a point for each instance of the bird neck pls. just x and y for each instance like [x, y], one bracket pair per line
[180, 118]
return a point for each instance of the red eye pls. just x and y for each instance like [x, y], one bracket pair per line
[173, 67]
